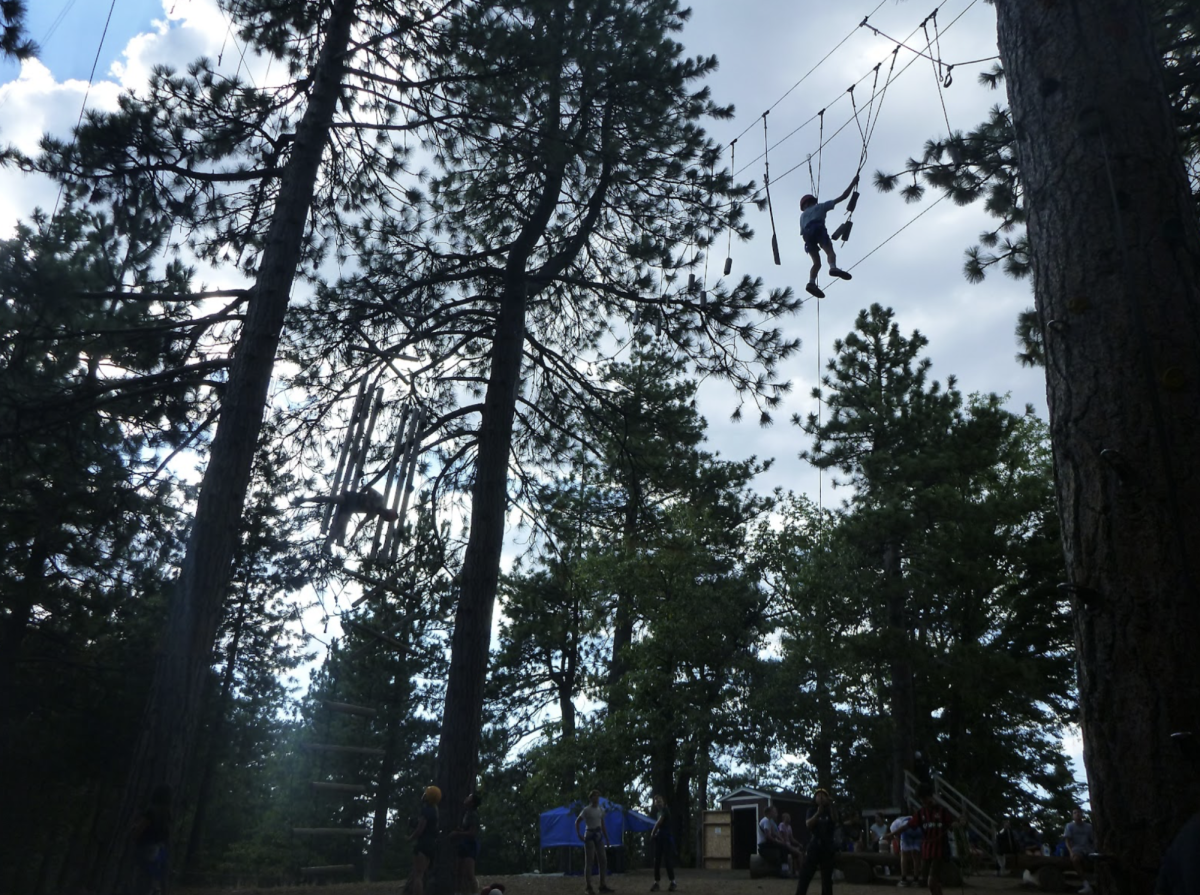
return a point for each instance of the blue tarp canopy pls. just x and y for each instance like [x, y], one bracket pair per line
[557, 825]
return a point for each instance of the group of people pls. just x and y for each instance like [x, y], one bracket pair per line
[465, 838]
[590, 828]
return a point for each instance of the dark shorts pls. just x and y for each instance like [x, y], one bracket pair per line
[425, 847]
[468, 848]
[815, 236]
[933, 867]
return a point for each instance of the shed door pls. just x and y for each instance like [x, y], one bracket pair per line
[744, 836]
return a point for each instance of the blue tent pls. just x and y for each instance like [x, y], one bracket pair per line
[557, 826]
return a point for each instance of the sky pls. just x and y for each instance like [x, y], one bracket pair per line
[790, 58]
[765, 49]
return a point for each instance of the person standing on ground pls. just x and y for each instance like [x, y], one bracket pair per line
[467, 837]
[934, 821]
[1081, 842]
[664, 843]
[910, 850]
[151, 836]
[589, 826]
[1007, 843]
[822, 823]
[424, 835]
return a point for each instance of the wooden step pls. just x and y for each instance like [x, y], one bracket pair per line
[353, 788]
[330, 831]
[329, 868]
[343, 750]
[348, 709]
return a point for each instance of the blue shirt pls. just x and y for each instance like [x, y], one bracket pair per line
[815, 214]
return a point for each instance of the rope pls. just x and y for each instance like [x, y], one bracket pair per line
[899, 44]
[937, 68]
[804, 77]
[767, 187]
[816, 184]
[820, 407]
[729, 238]
[88, 92]
[911, 221]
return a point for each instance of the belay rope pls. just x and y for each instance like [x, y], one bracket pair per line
[767, 187]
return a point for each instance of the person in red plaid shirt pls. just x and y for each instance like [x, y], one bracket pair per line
[934, 821]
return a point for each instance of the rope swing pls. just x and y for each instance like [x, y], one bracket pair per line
[767, 187]
[729, 238]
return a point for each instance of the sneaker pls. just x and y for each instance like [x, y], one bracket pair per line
[1087, 888]
[838, 272]
[654, 888]
[812, 289]
[672, 887]
[591, 891]
[903, 884]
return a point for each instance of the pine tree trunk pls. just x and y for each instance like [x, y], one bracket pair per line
[216, 737]
[171, 720]
[902, 706]
[458, 751]
[462, 713]
[383, 791]
[1116, 262]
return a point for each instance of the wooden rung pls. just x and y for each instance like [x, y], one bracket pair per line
[348, 709]
[345, 750]
[330, 831]
[322, 786]
[330, 868]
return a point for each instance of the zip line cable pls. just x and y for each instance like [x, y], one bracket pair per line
[899, 44]
[58, 20]
[804, 77]
[88, 92]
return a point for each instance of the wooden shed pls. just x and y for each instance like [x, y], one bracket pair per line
[730, 834]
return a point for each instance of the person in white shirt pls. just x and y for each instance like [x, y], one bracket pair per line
[589, 826]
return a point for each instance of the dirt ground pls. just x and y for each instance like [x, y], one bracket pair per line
[691, 882]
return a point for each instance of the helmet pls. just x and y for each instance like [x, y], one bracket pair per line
[432, 795]
[807, 200]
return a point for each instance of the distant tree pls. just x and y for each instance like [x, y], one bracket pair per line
[244, 171]
[568, 204]
[96, 396]
[952, 538]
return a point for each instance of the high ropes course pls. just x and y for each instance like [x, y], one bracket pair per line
[922, 43]
[863, 114]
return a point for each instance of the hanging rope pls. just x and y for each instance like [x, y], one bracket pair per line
[729, 239]
[936, 63]
[899, 44]
[767, 187]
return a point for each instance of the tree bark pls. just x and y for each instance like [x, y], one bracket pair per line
[171, 719]
[1116, 259]
[216, 737]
